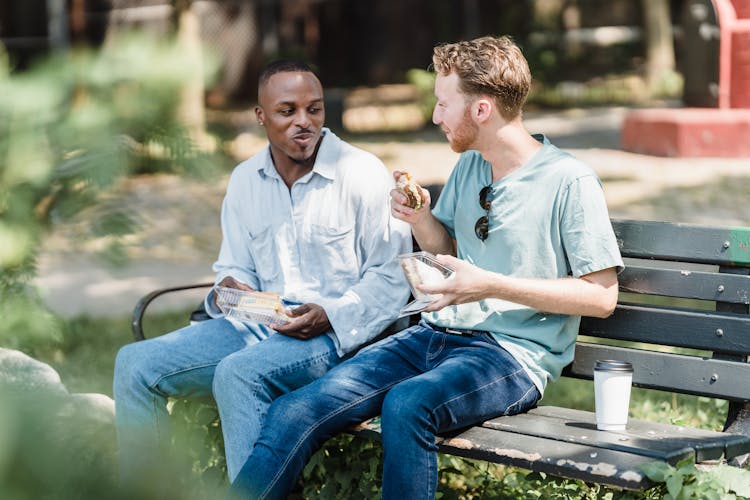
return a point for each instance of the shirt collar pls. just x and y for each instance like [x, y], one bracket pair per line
[325, 162]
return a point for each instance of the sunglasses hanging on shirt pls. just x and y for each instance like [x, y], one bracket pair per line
[482, 226]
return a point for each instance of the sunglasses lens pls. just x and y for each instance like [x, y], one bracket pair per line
[482, 227]
[485, 197]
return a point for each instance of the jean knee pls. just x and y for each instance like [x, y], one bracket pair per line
[402, 404]
[299, 410]
[132, 364]
[235, 373]
[225, 377]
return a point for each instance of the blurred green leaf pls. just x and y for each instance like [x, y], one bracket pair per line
[656, 471]
[734, 478]
[15, 244]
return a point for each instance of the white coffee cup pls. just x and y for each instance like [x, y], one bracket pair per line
[612, 382]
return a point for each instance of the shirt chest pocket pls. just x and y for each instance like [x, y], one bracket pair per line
[265, 254]
[332, 252]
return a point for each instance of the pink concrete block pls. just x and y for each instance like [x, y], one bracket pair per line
[688, 132]
[742, 8]
[739, 88]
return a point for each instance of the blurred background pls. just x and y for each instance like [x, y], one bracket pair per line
[120, 121]
[372, 43]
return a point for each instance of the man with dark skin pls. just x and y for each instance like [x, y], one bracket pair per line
[308, 218]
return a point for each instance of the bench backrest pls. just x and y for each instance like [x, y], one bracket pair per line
[682, 318]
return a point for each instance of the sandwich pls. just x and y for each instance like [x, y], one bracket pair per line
[411, 190]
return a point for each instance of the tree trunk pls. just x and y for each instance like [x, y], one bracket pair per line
[660, 61]
[192, 109]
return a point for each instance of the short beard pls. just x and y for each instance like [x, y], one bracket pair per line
[465, 135]
[310, 160]
[303, 161]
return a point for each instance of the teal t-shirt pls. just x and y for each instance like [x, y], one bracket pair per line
[548, 219]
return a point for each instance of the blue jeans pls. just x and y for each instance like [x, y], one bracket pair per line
[423, 382]
[246, 366]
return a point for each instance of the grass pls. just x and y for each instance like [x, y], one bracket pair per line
[85, 352]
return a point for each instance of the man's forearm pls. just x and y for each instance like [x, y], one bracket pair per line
[432, 237]
[579, 296]
[594, 294]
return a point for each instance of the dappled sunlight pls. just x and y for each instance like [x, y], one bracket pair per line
[701, 198]
[74, 286]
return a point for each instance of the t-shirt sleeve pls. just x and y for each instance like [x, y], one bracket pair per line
[587, 234]
[445, 208]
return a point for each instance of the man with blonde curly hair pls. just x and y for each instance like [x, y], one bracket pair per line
[526, 230]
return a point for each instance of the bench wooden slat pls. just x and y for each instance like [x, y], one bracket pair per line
[670, 372]
[683, 242]
[701, 285]
[564, 441]
[711, 331]
[568, 459]
[573, 460]
[580, 427]
[643, 437]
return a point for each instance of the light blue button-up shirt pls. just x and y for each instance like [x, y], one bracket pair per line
[330, 240]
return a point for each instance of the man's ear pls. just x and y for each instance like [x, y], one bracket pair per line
[259, 115]
[482, 109]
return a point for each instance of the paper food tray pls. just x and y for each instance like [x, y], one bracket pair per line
[253, 307]
[421, 267]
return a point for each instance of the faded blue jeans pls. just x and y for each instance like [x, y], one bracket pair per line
[423, 382]
[247, 366]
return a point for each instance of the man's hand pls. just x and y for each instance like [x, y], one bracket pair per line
[466, 284]
[401, 211]
[310, 320]
[230, 282]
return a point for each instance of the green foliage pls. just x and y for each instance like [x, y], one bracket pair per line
[350, 467]
[70, 129]
[197, 434]
[346, 467]
[41, 440]
[424, 82]
[47, 451]
[686, 481]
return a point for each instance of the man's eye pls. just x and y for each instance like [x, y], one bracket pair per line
[314, 109]
[286, 112]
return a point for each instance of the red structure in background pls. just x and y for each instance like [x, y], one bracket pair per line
[705, 132]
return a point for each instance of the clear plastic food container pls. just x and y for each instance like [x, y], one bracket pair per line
[422, 267]
[250, 306]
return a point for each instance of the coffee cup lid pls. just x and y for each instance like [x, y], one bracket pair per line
[613, 365]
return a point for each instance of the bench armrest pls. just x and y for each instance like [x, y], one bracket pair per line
[136, 324]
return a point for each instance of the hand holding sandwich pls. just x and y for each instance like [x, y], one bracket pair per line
[427, 230]
[409, 200]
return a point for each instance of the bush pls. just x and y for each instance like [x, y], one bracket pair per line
[70, 128]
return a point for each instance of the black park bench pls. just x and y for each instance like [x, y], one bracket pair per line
[682, 320]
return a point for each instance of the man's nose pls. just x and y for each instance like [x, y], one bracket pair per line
[435, 118]
[302, 119]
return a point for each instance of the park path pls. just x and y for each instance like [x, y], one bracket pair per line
[179, 234]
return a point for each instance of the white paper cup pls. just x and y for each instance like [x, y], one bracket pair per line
[612, 382]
